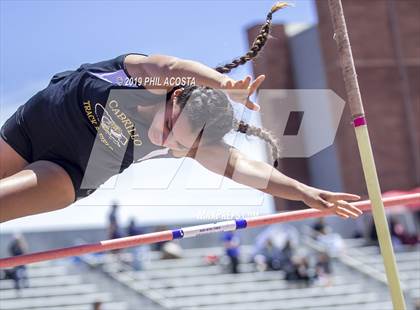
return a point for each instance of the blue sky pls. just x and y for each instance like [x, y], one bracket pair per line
[40, 38]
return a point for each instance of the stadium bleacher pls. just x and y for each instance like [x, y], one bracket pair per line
[53, 286]
[408, 263]
[366, 259]
[191, 283]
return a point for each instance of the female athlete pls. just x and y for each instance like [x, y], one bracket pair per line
[92, 123]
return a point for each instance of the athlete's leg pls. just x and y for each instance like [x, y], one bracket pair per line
[10, 161]
[40, 187]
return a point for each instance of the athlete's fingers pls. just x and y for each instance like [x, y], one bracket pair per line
[246, 81]
[346, 211]
[241, 85]
[355, 210]
[340, 196]
[236, 84]
[329, 206]
[251, 105]
[327, 203]
[318, 203]
[228, 84]
[341, 214]
[342, 208]
[257, 83]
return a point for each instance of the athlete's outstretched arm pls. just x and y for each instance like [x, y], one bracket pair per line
[264, 177]
[163, 67]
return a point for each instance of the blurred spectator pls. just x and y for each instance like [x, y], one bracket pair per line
[274, 247]
[97, 305]
[18, 246]
[358, 234]
[134, 230]
[300, 270]
[373, 237]
[273, 258]
[332, 242]
[264, 258]
[319, 226]
[323, 269]
[279, 236]
[399, 235]
[285, 258]
[231, 244]
[113, 215]
[114, 231]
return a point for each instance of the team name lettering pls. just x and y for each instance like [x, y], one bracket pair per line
[128, 124]
[89, 113]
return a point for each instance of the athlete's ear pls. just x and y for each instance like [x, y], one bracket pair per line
[178, 92]
[175, 94]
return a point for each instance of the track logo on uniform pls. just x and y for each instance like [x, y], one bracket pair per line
[110, 127]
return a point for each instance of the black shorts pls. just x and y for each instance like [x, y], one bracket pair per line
[37, 132]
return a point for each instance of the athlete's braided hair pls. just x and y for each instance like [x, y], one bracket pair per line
[262, 133]
[212, 108]
[209, 108]
[257, 45]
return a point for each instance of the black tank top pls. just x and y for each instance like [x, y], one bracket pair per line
[107, 98]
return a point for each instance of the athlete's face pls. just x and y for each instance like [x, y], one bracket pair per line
[171, 128]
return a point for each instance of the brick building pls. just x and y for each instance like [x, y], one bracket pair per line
[385, 38]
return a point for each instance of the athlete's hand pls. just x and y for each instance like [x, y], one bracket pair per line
[240, 91]
[336, 202]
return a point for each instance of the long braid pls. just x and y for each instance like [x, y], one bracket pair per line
[258, 43]
[261, 133]
[219, 117]
[256, 47]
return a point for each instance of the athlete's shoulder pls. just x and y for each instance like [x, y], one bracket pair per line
[104, 65]
[113, 64]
